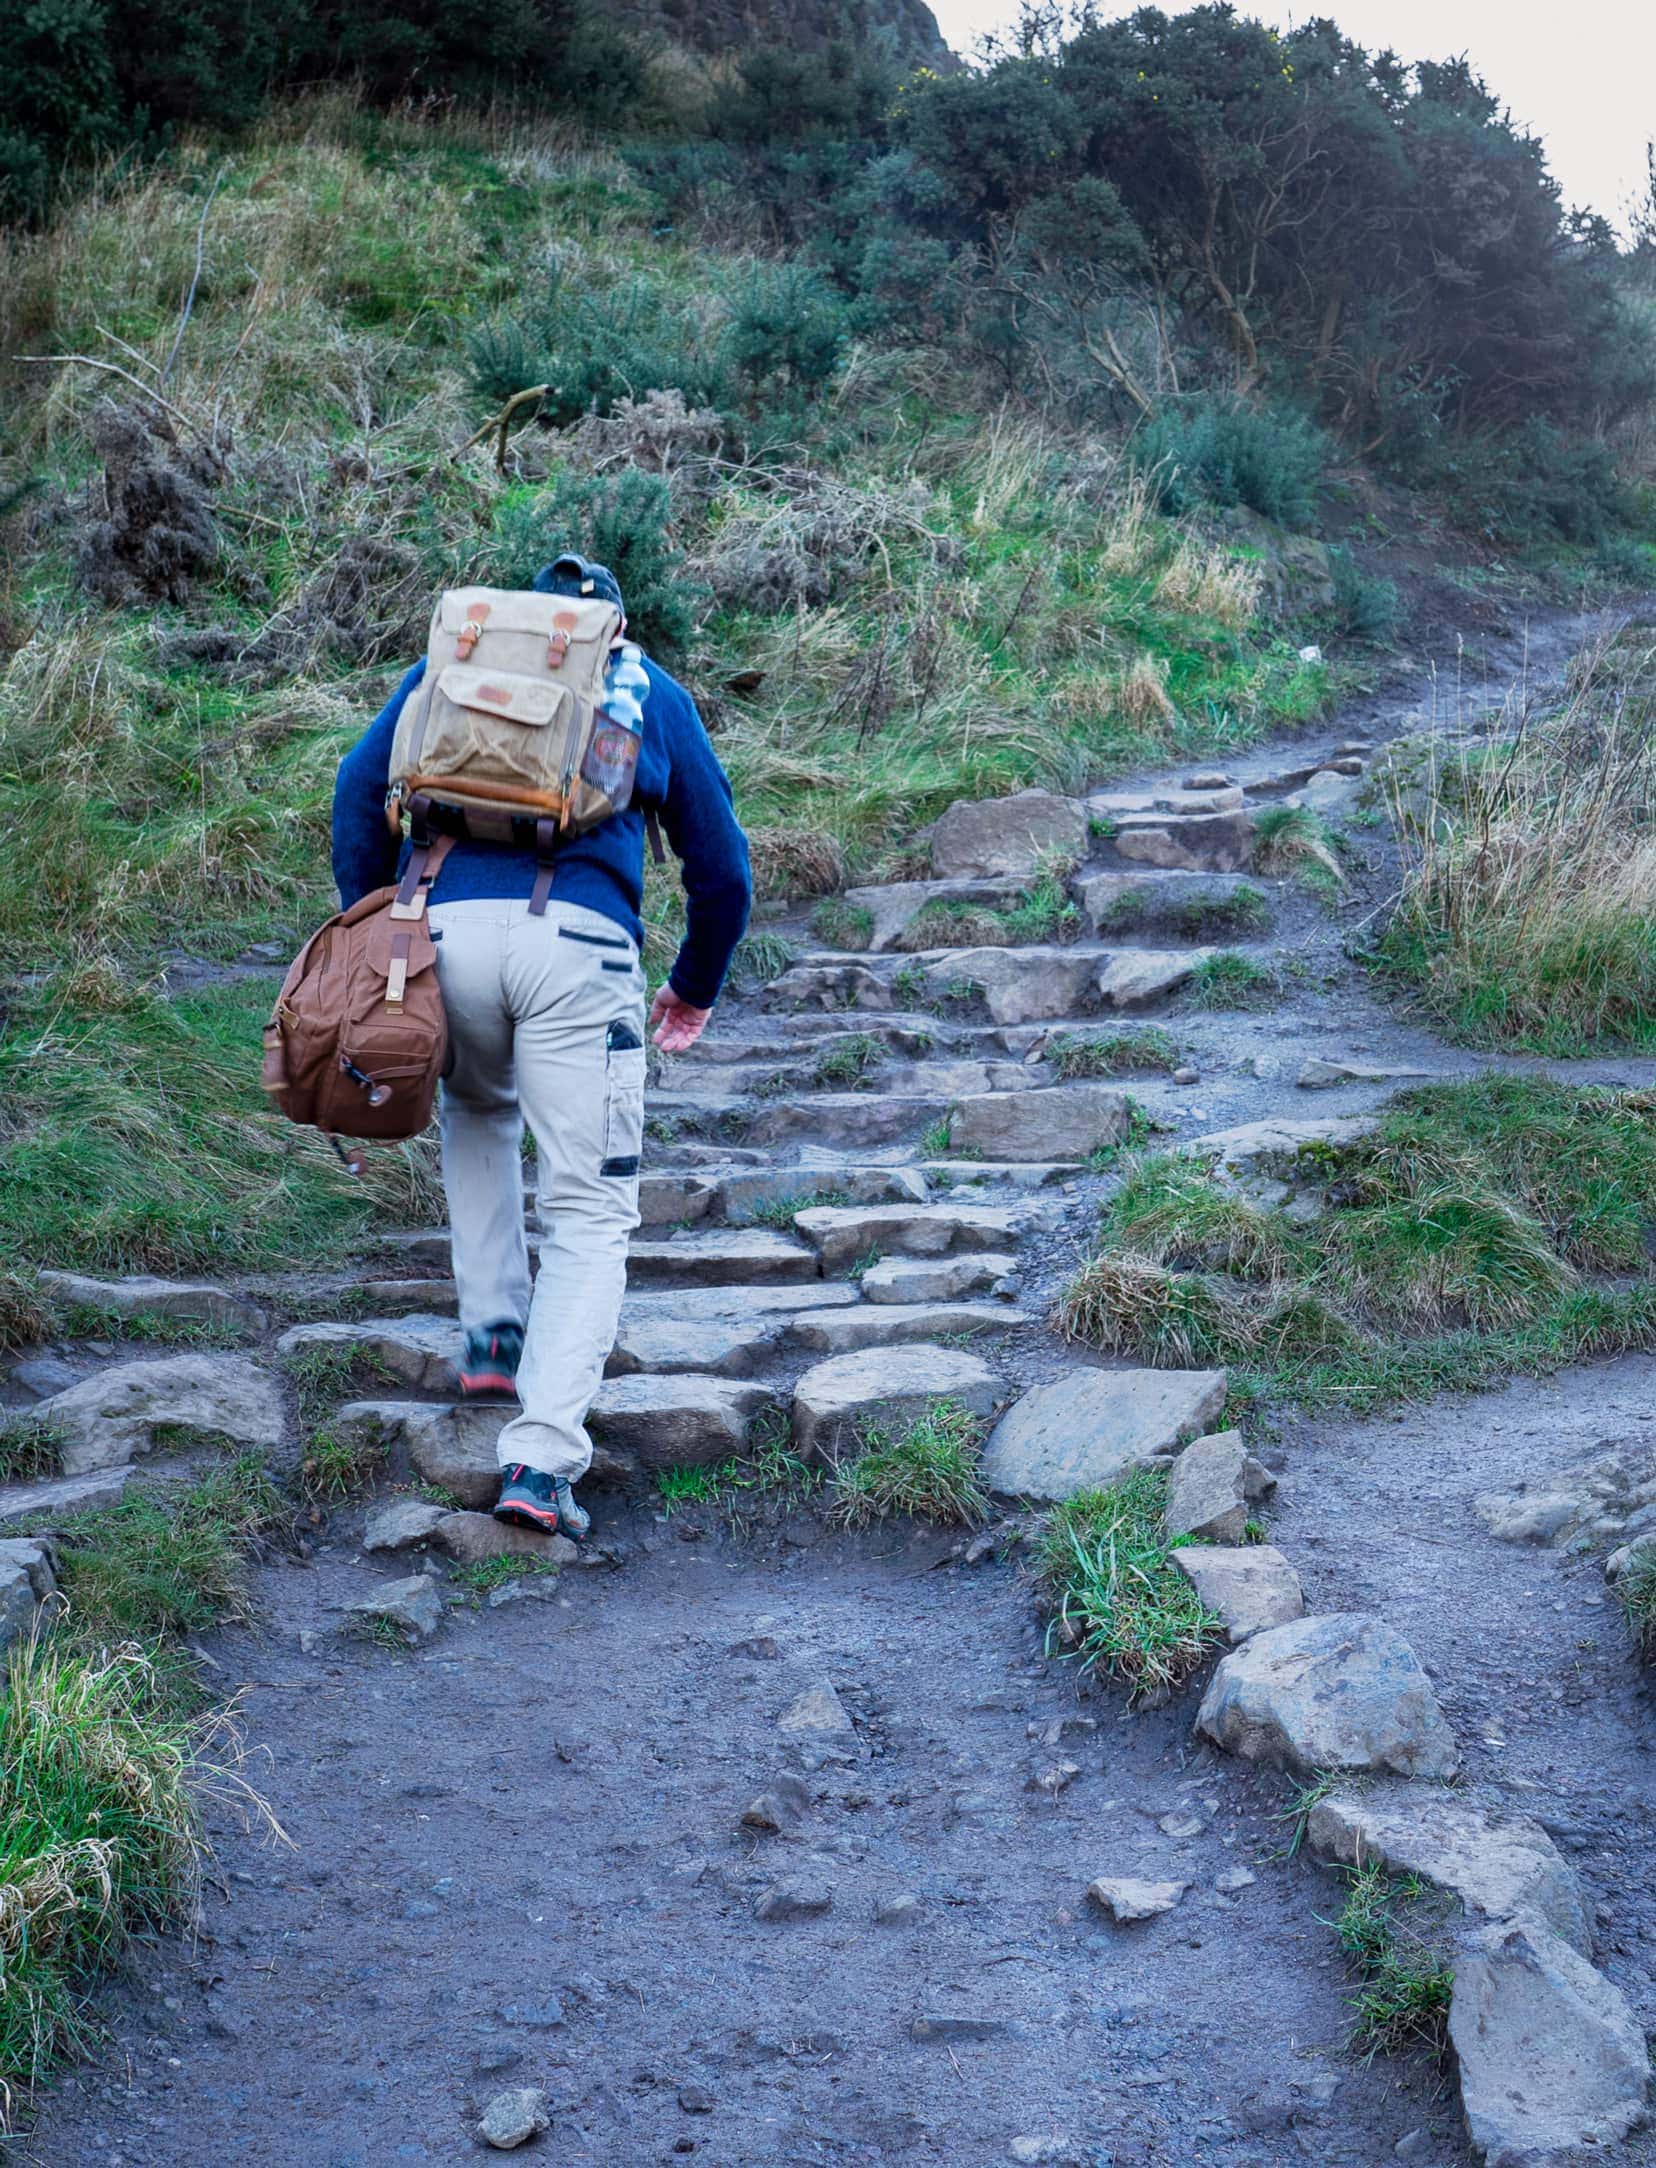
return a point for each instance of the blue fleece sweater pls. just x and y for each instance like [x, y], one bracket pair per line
[679, 778]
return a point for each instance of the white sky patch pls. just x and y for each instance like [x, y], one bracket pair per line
[1583, 78]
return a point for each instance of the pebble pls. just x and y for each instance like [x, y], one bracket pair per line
[514, 2117]
[696, 2100]
[794, 1901]
[1234, 1879]
[1181, 1825]
[1186, 1074]
[897, 1911]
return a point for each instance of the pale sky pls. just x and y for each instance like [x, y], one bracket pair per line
[1582, 76]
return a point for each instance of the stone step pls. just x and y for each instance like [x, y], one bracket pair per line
[1176, 798]
[733, 1346]
[908, 1280]
[1169, 901]
[1198, 842]
[418, 1349]
[740, 1195]
[46, 1504]
[842, 1234]
[142, 1295]
[737, 1300]
[667, 1200]
[851, 1118]
[893, 908]
[841, 1332]
[676, 1422]
[953, 1174]
[722, 1255]
[838, 1403]
[129, 1408]
[1061, 1121]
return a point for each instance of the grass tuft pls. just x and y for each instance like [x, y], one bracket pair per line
[1118, 1604]
[1233, 980]
[1111, 1053]
[1636, 1593]
[929, 1471]
[1391, 1932]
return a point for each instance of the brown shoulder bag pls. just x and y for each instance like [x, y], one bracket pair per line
[358, 1037]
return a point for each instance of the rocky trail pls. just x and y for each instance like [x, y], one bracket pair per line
[744, 1837]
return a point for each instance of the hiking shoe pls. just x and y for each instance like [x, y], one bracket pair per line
[488, 1368]
[534, 1499]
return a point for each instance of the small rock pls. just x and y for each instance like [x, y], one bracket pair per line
[758, 1648]
[897, 1911]
[1125, 1899]
[1089, 1429]
[1180, 1826]
[696, 2100]
[1414, 2144]
[1249, 1589]
[1187, 1074]
[1234, 1879]
[783, 1806]
[804, 1900]
[514, 2117]
[1131, 977]
[1056, 1777]
[817, 1712]
[1205, 1495]
[543, 2016]
[1045, 2153]
[412, 1606]
[472, 1538]
[1320, 1075]
[401, 1524]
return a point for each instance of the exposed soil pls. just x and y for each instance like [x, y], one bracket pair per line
[516, 1856]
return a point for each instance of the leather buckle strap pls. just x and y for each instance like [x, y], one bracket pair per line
[425, 862]
[546, 844]
[396, 979]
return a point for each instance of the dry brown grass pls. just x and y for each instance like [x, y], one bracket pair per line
[1207, 583]
[795, 862]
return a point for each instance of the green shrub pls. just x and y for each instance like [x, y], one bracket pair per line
[1226, 452]
[1365, 606]
[787, 331]
[929, 1470]
[1118, 1603]
[623, 519]
[595, 342]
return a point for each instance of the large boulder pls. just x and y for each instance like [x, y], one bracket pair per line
[1064, 1121]
[1551, 2059]
[1335, 1693]
[1088, 1430]
[109, 1419]
[836, 1401]
[1499, 1869]
[1248, 1589]
[1006, 835]
[1195, 843]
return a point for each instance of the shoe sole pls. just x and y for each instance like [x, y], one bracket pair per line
[488, 1385]
[548, 1523]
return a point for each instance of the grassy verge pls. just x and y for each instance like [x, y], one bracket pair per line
[1118, 1605]
[1483, 1228]
[1393, 1933]
[104, 1749]
[1636, 1593]
[1528, 913]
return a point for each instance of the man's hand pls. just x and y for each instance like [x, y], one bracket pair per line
[676, 1025]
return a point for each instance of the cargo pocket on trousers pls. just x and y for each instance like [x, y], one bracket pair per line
[623, 1099]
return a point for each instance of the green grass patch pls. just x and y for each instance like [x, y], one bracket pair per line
[1393, 1932]
[1075, 1054]
[1295, 840]
[928, 1471]
[1118, 1605]
[842, 925]
[1203, 915]
[1484, 1228]
[31, 1449]
[849, 1063]
[1636, 1593]
[471, 1584]
[780, 1212]
[768, 1472]
[1233, 980]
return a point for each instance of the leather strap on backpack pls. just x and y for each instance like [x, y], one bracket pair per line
[546, 844]
[425, 862]
[652, 828]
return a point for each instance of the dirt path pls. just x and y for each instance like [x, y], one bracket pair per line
[517, 1851]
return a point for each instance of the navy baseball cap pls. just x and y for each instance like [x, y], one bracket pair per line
[579, 576]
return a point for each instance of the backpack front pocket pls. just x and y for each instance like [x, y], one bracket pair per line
[496, 727]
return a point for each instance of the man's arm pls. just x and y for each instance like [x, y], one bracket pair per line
[700, 820]
[364, 849]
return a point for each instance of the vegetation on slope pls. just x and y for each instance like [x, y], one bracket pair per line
[1483, 1228]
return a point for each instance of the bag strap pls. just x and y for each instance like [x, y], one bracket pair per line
[546, 844]
[652, 828]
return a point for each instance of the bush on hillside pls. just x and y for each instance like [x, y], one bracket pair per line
[1366, 606]
[1533, 486]
[624, 520]
[596, 344]
[1226, 452]
[787, 331]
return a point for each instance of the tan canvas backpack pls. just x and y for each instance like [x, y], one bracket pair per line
[509, 720]
[358, 1038]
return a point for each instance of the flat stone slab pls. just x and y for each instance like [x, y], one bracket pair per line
[1130, 978]
[474, 1538]
[400, 1524]
[741, 1195]
[987, 836]
[737, 1300]
[1549, 2055]
[1248, 1589]
[907, 1280]
[950, 1174]
[859, 1119]
[1318, 1074]
[836, 1402]
[1088, 1430]
[1251, 1142]
[1112, 902]
[1501, 1868]
[895, 906]
[666, 1199]
[414, 1607]
[142, 1295]
[1198, 842]
[841, 1235]
[418, 1350]
[676, 1422]
[1182, 799]
[1126, 1899]
[1059, 1121]
[110, 1418]
[839, 1332]
[1206, 1490]
[1017, 985]
[730, 1347]
[727, 1255]
[46, 1504]
[1333, 1693]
